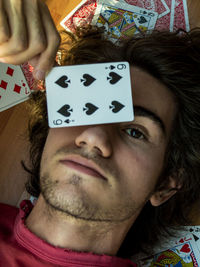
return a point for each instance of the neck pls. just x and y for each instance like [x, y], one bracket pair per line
[65, 231]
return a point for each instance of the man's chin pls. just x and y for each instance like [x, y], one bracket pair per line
[70, 200]
[72, 206]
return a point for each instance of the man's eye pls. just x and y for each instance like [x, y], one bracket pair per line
[135, 133]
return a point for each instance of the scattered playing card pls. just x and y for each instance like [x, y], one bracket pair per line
[179, 18]
[122, 20]
[28, 74]
[162, 7]
[81, 15]
[184, 253]
[172, 14]
[159, 6]
[13, 86]
[195, 231]
[89, 94]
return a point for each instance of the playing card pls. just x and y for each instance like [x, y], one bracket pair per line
[159, 6]
[173, 14]
[195, 231]
[162, 7]
[28, 74]
[13, 86]
[184, 253]
[89, 94]
[81, 15]
[179, 17]
[122, 20]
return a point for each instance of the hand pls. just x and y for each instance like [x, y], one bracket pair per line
[28, 33]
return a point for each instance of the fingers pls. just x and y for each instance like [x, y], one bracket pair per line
[4, 28]
[13, 18]
[32, 35]
[46, 59]
[27, 34]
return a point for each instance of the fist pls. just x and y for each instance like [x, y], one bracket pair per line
[28, 33]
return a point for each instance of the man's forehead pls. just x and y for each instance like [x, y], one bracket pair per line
[151, 95]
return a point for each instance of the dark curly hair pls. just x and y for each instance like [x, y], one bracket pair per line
[173, 59]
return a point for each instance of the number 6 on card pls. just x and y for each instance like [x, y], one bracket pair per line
[89, 94]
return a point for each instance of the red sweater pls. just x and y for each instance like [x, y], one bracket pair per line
[20, 247]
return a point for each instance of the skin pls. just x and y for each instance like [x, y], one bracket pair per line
[28, 33]
[83, 212]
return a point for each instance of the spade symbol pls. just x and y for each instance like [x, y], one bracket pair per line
[113, 77]
[65, 110]
[111, 67]
[142, 20]
[63, 81]
[195, 237]
[90, 108]
[87, 79]
[68, 121]
[116, 106]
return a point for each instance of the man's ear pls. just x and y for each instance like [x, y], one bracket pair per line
[161, 196]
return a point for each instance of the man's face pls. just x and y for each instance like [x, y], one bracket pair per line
[108, 172]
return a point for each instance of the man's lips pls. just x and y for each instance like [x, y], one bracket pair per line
[84, 166]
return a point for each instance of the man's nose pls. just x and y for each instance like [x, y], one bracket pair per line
[95, 139]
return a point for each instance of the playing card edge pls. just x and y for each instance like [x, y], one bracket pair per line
[15, 103]
[62, 23]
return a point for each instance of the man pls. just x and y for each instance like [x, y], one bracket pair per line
[109, 189]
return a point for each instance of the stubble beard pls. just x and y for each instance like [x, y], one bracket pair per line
[81, 206]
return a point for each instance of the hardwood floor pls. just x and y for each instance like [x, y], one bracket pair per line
[13, 144]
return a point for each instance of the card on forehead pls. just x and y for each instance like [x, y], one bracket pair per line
[13, 86]
[122, 20]
[89, 94]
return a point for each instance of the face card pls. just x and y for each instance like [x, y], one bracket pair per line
[183, 253]
[162, 7]
[80, 16]
[159, 6]
[173, 14]
[89, 94]
[13, 86]
[122, 20]
[195, 232]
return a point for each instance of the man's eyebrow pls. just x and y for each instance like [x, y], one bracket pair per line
[141, 111]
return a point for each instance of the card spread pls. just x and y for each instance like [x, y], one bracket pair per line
[13, 86]
[122, 20]
[172, 14]
[89, 94]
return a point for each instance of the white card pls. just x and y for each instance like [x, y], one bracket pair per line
[159, 6]
[122, 20]
[183, 253]
[89, 94]
[195, 231]
[13, 86]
